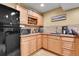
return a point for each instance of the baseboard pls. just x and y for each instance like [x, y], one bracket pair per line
[53, 52]
[35, 52]
[46, 50]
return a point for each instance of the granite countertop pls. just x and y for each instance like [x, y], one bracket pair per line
[30, 34]
[64, 35]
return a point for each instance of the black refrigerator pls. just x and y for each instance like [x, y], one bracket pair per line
[9, 31]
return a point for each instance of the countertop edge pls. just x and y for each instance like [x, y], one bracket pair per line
[61, 35]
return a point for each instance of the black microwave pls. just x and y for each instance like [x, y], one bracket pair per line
[25, 31]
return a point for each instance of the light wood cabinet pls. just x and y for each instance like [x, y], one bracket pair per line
[39, 41]
[23, 14]
[67, 52]
[45, 41]
[68, 46]
[54, 45]
[30, 12]
[28, 45]
[63, 45]
[40, 20]
[32, 45]
[25, 46]
[37, 16]
[77, 46]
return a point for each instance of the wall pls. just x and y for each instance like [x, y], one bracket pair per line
[47, 16]
[72, 17]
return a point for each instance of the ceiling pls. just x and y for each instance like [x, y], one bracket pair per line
[68, 6]
[47, 7]
[50, 6]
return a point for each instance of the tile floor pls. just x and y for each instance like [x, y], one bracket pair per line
[43, 52]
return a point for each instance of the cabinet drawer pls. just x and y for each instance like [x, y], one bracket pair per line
[67, 52]
[45, 36]
[58, 37]
[51, 36]
[24, 39]
[67, 39]
[32, 37]
[68, 45]
[54, 37]
[39, 36]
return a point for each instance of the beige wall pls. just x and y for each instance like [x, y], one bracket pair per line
[72, 17]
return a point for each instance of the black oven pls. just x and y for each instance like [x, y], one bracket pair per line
[9, 31]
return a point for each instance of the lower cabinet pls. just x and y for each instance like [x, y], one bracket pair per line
[39, 41]
[25, 48]
[45, 43]
[77, 46]
[28, 45]
[68, 46]
[32, 46]
[67, 52]
[61, 45]
[54, 45]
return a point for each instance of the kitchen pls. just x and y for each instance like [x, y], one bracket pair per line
[52, 28]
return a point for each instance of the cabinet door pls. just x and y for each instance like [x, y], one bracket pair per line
[38, 16]
[25, 48]
[54, 45]
[39, 42]
[45, 43]
[32, 45]
[77, 46]
[68, 45]
[23, 15]
[40, 20]
[30, 12]
[67, 52]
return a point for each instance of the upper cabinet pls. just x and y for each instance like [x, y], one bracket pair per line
[36, 16]
[40, 19]
[29, 17]
[23, 15]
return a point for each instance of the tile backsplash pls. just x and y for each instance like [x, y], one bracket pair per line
[58, 29]
[52, 29]
[32, 29]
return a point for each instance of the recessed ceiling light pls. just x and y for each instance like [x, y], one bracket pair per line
[42, 5]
